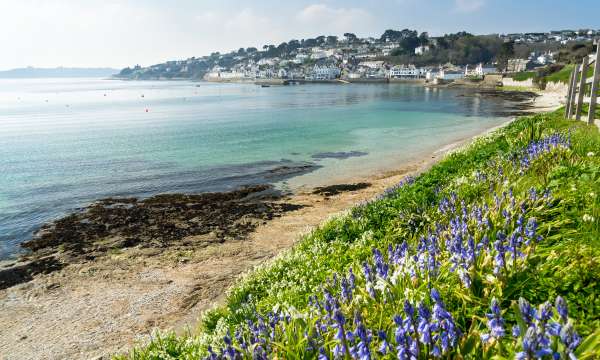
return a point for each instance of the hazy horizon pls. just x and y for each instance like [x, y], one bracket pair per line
[117, 34]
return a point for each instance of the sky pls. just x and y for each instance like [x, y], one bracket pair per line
[110, 33]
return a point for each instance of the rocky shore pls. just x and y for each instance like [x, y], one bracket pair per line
[178, 221]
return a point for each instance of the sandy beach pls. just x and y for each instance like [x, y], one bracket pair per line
[107, 305]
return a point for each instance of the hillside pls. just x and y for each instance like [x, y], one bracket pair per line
[492, 253]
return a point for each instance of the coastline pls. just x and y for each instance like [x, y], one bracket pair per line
[138, 290]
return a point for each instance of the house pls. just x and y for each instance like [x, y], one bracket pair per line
[325, 72]
[406, 72]
[371, 64]
[545, 59]
[517, 65]
[478, 71]
[420, 50]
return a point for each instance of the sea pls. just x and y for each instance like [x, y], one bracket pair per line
[66, 142]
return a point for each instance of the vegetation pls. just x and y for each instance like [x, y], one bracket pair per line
[492, 253]
[524, 75]
[459, 48]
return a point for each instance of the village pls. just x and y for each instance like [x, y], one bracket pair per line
[395, 56]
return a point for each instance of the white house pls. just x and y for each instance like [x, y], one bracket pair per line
[420, 50]
[268, 61]
[371, 64]
[406, 72]
[317, 55]
[545, 59]
[325, 72]
[478, 71]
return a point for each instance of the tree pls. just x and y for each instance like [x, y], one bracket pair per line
[506, 51]
[251, 50]
[350, 37]
[332, 40]
[395, 35]
[424, 38]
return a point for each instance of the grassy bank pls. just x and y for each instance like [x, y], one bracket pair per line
[493, 252]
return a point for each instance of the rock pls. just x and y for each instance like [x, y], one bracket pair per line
[331, 190]
[158, 222]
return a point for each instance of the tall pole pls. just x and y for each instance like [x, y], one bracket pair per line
[581, 94]
[595, 80]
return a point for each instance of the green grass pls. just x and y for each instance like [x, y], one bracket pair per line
[564, 74]
[565, 262]
[524, 75]
[519, 88]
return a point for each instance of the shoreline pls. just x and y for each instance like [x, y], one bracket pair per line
[116, 301]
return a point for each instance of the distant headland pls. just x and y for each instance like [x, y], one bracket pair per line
[58, 72]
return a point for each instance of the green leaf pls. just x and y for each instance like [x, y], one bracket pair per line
[590, 347]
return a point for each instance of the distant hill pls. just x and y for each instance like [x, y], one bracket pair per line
[31, 72]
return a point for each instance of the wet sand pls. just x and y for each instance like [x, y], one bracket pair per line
[91, 309]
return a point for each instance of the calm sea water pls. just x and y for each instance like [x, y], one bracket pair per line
[67, 142]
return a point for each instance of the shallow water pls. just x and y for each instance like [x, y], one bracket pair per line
[66, 142]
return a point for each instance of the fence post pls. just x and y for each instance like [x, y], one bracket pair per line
[581, 94]
[569, 95]
[573, 91]
[595, 80]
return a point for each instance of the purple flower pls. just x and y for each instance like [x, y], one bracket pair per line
[322, 354]
[528, 313]
[384, 346]
[516, 331]
[561, 308]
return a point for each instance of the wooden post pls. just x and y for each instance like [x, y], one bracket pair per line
[581, 94]
[573, 92]
[595, 80]
[569, 95]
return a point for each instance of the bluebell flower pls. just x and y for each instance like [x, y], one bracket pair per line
[384, 346]
[528, 313]
[424, 325]
[545, 312]
[570, 338]
[322, 354]
[495, 320]
[516, 331]
[351, 278]
[211, 354]
[339, 351]
[561, 308]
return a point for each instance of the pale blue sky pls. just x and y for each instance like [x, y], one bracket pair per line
[47, 33]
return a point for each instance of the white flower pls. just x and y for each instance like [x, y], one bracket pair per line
[590, 154]
[588, 218]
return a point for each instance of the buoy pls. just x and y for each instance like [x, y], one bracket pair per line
[142, 95]
[146, 110]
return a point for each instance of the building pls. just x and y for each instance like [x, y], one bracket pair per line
[478, 71]
[545, 59]
[371, 64]
[420, 50]
[325, 72]
[517, 65]
[406, 72]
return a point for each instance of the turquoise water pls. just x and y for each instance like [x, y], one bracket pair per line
[66, 142]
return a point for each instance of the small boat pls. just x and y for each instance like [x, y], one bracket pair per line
[265, 85]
